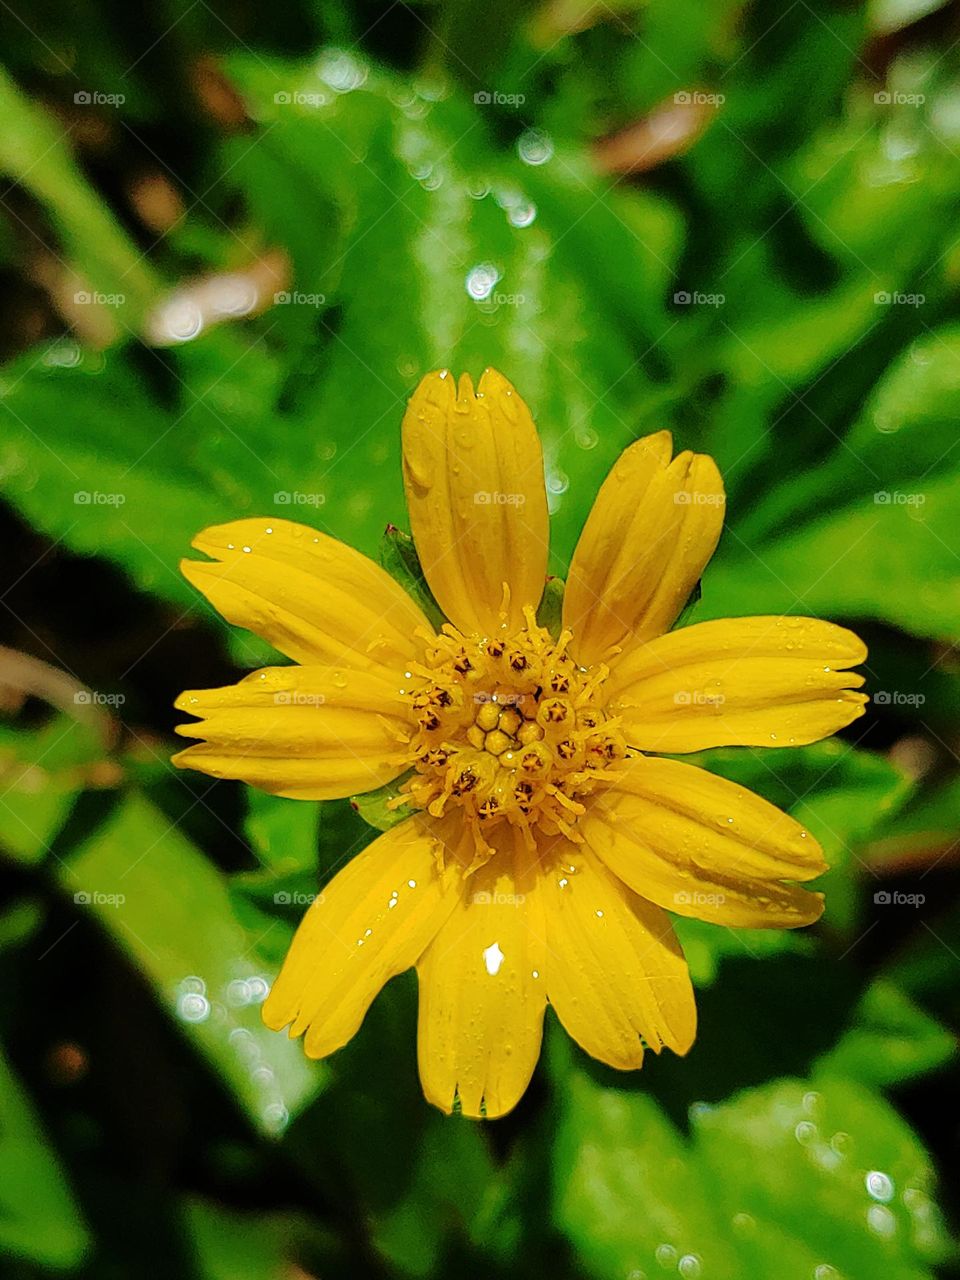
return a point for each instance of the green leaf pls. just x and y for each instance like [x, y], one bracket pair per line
[164, 904]
[226, 1248]
[34, 153]
[39, 1218]
[284, 833]
[832, 1167]
[884, 548]
[776, 1181]
[452, 1173]
[924, 831]
[227, 1244]
[627, 1194]
[42, 771]
[238, 423]
[890, 1040]
[706, 947]
[887, 16]
[19, 922]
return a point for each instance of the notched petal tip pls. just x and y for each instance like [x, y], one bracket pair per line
[652, 529]
[189, 568]
[445, 1100]
[471, 1108]
[815, 864]
[216, 538]
[473, 475]
[438, 389]
[275, 1019]
[680, 466]
[814, 910]
[492, 383]
[659, 445]
[493, 1110]
[187, 700]
[441, 387]
[858, 650]
[201, 540]
[685, 1042]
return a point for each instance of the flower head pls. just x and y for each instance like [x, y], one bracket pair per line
[545, 839]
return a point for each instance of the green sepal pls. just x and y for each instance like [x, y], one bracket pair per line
[550, 613]
[685, 615]
[373, 806]
[398, 556]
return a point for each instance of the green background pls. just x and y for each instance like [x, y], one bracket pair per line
[776, 281]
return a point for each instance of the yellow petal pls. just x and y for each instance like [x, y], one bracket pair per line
[314, 733]
[652, 529]
[616, 975]
[482, 991]
[371, 922]
[312, 597]
[755, 682]
[705, 847]
[473, 472]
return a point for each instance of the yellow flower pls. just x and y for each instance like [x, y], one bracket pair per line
[546, 842]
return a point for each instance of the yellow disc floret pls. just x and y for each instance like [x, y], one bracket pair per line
[509, 729]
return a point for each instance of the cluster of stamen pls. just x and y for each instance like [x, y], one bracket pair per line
[509, 729]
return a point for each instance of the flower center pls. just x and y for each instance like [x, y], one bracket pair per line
[511, 729]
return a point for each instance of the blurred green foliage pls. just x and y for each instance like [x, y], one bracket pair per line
[777, 285]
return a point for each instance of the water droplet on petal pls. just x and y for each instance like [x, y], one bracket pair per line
[493, 958]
